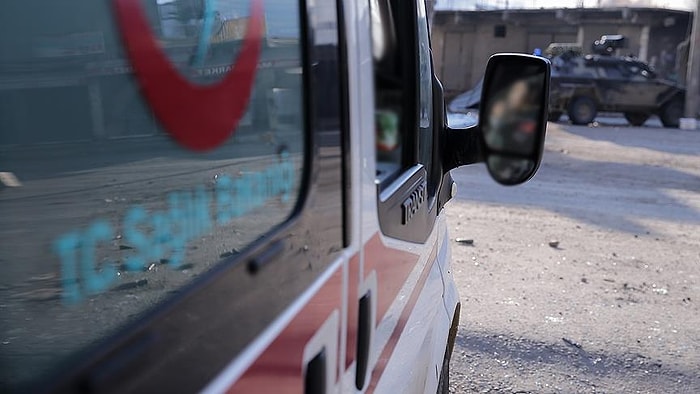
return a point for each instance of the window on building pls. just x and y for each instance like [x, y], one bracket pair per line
[499, 31]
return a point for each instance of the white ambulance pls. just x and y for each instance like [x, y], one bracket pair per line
[238, 196]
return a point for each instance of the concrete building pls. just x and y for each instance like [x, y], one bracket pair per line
[464, 40]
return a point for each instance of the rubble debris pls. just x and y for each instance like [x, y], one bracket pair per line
[131, 285]
[572, 343]
[464, 241]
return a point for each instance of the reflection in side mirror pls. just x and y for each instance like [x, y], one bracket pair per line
[508, 168]
[512, 116]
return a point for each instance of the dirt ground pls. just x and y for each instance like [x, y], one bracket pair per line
[587, 278]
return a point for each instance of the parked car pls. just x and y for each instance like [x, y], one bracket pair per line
[467, 101]
[582, 86]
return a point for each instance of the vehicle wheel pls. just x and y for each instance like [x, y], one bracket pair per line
[554, 116]
[636, 118]
[444, 382]
[582, 110]
[672, 113]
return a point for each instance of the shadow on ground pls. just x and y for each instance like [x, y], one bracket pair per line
[503, 363]
[605, 194]
[675, 140]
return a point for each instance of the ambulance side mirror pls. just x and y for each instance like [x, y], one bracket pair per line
[513, 116]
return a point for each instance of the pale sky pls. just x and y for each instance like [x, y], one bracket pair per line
[500, 4]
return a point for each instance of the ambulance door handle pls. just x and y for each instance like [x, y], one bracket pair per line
[364, 330]
[315, 379]
[265, 257]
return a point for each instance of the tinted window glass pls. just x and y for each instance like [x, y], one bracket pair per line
[425, 70]
[425, 86]
[149, 140]
[389, 96]
[611, 71]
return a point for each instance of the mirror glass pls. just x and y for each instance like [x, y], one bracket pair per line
[507, 168]
[512, 118]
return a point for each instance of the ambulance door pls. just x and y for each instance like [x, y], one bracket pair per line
[202, 247]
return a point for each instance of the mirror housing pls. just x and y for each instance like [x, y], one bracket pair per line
[513, 116]
[510, 133]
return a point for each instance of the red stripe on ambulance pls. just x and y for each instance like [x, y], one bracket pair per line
[401, 324]
[353, 310]
[279, 368]
[392, 266]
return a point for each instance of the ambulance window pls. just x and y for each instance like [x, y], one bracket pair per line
[141, 143]
[425, 92]
[403, 87]
[406, 175]
[390, 98]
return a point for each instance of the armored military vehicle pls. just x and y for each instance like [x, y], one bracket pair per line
[583, 86]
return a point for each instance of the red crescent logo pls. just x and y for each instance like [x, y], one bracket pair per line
[196, 116]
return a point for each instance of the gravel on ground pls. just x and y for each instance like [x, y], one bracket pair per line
[587, 278]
